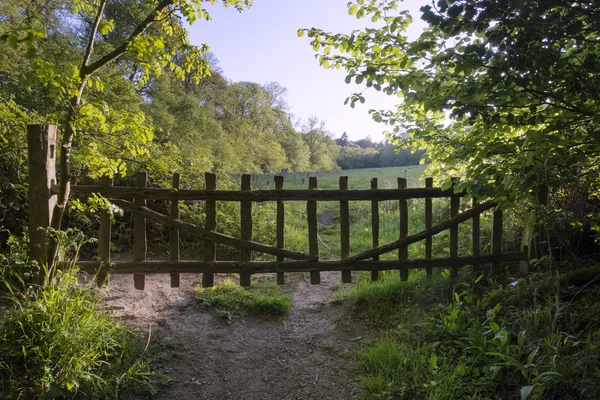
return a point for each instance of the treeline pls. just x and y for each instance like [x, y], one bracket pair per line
[365, 153]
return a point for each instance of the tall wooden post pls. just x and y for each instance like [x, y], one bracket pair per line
[429, 224]
[476, 240]
[454, 208]
[246, 224]
[210, 248]
[403, 251]
[174, 233]
[104, 236]
[139, 232]
[497, 238]
[313, 229]
[375, 227]
[280, 227]
[41, 151]
[345, 230]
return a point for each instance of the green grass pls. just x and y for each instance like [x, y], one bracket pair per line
[230, 299]
[57, 343]
[357, 178]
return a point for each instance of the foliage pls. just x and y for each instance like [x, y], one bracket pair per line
[502, 92]
[488, 340]
[230, 299]
[13, 166]
[58, 342]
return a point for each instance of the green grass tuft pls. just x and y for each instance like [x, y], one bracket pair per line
[231, 299]
[57, 343]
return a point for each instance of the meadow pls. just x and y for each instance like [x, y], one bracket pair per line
[360, 214]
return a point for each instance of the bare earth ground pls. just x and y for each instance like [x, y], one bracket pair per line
[305, 355]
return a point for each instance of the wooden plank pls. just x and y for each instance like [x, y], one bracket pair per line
[280, 227]
[122, 192]
[246, 228]
[375, 227]
[203, 233]
[257, 267]
[104, 237]
[210, 248]
[476, 240]
[139, 231]
[442, 226]
[345, 230]
[428, 224]
[403, 210]
[497, 239]
[174, 233]
[454, 209]
[313, 229]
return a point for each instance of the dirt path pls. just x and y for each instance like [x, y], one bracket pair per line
[305, 355]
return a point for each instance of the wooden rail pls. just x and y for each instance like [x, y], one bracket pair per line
[258, 267]
[119, 192]
[288, 260]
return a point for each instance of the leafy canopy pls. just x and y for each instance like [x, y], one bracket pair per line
[128, 38]
[503, 93]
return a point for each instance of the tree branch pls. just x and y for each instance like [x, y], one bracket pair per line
[119, 51]
[90, 46]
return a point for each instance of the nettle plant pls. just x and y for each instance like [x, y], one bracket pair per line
[141, 46]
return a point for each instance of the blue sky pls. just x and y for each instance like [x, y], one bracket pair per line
[261, 45]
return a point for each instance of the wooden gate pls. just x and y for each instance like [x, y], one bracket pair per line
[134, 200]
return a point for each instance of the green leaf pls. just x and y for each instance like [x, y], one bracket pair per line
[526, 391]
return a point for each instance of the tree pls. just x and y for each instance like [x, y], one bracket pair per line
[151, 42]
[503, 92]
[343, 140]
[321, 147]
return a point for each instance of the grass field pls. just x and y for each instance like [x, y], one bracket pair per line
[360, 214]
[357, 178]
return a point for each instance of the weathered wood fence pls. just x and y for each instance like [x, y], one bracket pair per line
[134, 200]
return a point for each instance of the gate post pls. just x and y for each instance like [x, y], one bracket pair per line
[41, 152]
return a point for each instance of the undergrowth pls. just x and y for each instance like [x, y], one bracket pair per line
[532, 338]
[230, 299]
[58, 343]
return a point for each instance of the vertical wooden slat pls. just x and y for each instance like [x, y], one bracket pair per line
[476, 240]
[104, 236]
[280, 227]
[429, 224]
[345, 230]
[246, 225]
[210, 248]
[139, 232]
[403, 207]
[375, 227]
[313, 229]
[497, 237]
[454, 208]
[174, 234]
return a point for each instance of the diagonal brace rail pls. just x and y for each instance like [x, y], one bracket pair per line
[209, 235]
[434, 230]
